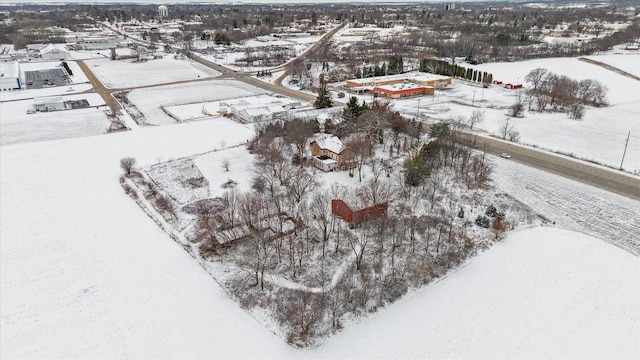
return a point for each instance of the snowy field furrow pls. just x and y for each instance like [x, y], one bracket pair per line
[573, 205]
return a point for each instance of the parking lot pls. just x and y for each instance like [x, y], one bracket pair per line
[46, 78]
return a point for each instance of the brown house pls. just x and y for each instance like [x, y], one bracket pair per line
[330, 153]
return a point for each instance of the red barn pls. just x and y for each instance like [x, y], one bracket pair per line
[342, 210]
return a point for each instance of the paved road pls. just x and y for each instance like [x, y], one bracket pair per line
[100, 89]
[603, 178]
[594, 175]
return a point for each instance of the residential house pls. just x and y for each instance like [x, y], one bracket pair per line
[329, 153]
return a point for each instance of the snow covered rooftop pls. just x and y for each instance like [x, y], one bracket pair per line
[412, 77]
[10, 69]
[47, 100]
[330, 143]
[401, 86]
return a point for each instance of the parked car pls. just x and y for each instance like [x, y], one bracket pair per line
[505, 155]
[31, 111]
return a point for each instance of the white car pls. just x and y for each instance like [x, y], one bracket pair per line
[31, 111]
[505, 155]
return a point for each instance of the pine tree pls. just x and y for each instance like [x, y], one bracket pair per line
[324, 97]
[353, 109]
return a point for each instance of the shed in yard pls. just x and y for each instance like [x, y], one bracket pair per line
[343, 211]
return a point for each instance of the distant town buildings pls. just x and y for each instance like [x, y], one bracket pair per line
[402, 85]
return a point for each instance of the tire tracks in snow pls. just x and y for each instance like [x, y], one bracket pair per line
[573, 205]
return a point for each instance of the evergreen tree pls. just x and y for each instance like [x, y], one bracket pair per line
[324, 97]
[353, 109]
[440, 130]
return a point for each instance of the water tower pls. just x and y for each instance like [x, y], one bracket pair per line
[163, 12]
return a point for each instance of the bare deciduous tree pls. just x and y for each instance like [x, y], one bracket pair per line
[477, 116]
[362, 149]
[128, 164]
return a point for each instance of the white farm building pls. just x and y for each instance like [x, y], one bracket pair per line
[259, 108]
[10, 76]
[52, 52]
[52, 103]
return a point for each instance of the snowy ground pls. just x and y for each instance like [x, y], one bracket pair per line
[91, 272]
[150, 100]
[16, 126]
[131, 73]
[599, 136]
[542, 293]
[573, 205]
[626, 62]
[240, 166]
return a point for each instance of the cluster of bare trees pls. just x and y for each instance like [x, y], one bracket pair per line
[310, 268]
[562, 93]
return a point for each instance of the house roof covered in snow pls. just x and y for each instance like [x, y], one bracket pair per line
[330, 143]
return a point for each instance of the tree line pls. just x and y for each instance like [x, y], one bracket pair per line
[561, 93]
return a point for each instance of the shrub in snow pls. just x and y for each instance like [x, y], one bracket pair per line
[491, 211]
[483, 221]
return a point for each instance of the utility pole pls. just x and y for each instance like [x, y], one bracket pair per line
[625, 149]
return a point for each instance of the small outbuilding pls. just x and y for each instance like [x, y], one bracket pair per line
[343, 211]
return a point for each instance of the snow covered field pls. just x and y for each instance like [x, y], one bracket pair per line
[150, 100]
[16, 126]
[542, 293]
[626, 62]
[85, 273]
[130, 73]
